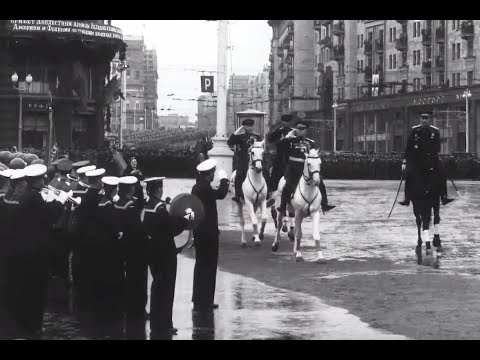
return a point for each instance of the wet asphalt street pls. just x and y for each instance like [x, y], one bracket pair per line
[370, 288]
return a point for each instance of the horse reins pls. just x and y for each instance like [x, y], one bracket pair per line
[307, 180]
[252, 166]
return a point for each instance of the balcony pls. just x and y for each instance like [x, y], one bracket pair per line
[440, 63]
[379, 70]
[286, 43]
[401, 44]
[339, 29]
[368, 47]
[467, 29]
[289, 60]
[379, 45]
[426, 67]
[368, 74]
[317, 24]
[290, 51]
[440, 34]
[426, 37]
[326, 42]
[289, 73]
[338, 52]
[320, 67]
[279, 51]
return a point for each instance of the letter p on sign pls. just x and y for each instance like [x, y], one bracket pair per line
[207, 84]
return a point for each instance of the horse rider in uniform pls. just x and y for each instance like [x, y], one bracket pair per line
[243, 139]
[299, 146]
[206, 236]
[161, 228]
[421, 155]
[281, 156]
[136, 261]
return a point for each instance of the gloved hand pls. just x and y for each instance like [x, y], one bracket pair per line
[44, 194]
[50, 196]
[189, 214]
[62, 197]
[116, 198]
[120, 235]
[404, 167]
[292, 134]
[222, 174]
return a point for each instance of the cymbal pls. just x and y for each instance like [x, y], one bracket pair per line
[184, 201]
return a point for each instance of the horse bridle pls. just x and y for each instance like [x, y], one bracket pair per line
[252, 161]
[252, 165]
[308, 180]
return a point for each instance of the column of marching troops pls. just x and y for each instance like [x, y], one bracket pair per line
[96, 236]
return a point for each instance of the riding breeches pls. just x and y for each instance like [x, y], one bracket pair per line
[239, 179]
[277, 172]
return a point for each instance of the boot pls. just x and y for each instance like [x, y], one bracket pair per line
[326, 207]
[283, 207]
[405, 202]
[446, 200]
[270, 200]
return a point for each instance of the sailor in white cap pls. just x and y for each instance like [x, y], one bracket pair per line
[31, 265]
[206, 235]
[80, 187]
[161, 228]
[5, 181]
[134, 239]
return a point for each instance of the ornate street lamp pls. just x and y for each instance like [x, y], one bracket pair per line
[466, 94]
[20, 90]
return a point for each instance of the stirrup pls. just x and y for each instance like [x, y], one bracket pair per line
[405, 202]
[446, 200]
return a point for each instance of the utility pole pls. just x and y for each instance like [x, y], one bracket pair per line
[123, 110]
[220, 151]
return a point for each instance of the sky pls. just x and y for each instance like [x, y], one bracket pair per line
[185, 47]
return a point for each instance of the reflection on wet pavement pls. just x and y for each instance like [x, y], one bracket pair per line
[252, 310]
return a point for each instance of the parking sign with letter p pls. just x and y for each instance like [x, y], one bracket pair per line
[207, 84]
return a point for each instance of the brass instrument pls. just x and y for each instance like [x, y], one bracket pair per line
[75, 201]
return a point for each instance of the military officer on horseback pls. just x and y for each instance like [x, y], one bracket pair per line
[243, 138]
[421, 158]
[298, 146]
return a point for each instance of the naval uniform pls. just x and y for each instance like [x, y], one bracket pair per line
[242, 142]
[161, 228]
[206, 236]
[136, 267]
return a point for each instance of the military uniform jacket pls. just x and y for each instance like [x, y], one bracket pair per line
[276, 137]
[298, 148]
[204, 191]
[423, 147]
[131, 226]
[9, 206]
[161, 228]
[242, 143]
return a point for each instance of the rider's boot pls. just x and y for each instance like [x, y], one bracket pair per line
[270, 200]
[446, 200]
[405, 202]
[283, 206]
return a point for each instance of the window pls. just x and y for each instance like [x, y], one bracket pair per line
[127, 104]
[358, 66]
[416, 84]
[414, 29]
[341, 68]
[470, 47]
[137, 74]
[358, 91]
[453, 24]
[453, 52]
[458, 24]
[394, 61]
[453, 80]
[415, 57]
[458, 79]
[458, 51]
[390, 59]
[137, 106]
[128, 73]
[358, 41]
[394, 34]
[391, 34]
[470, 78]
[361, 40]
[361, 64]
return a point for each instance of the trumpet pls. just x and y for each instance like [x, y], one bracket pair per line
[75, 201]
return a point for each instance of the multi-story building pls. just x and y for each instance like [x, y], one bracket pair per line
[237, 98]
[68, 61]
[207, 112]
[382, 74]
[141, 95]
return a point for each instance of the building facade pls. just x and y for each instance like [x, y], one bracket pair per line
[141, 90]
[383, 73]
[173, 121]
[207, 112]
[69, 61]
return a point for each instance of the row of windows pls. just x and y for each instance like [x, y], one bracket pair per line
[455, 54]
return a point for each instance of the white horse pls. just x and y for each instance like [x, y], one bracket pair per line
[255, 193]
[306, 201]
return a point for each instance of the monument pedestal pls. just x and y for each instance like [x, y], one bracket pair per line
[222, 154]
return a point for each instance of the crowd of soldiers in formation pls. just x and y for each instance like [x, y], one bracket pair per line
[86, 240]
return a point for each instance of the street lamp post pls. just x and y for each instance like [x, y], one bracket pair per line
[20, 90]
[335, 106]
[466, 94]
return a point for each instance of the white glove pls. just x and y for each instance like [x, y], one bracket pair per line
[189, 214]
[222, 174]
[404, 167]
[239, 130]
[50, 196]
[44, 195]
[63, 197]
[70, 193]
[120, 235]
[115, 198]
[291, 135]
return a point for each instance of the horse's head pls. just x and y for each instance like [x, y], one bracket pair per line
[312, 167]
[256, 155]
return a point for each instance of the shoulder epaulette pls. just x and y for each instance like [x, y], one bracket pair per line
[434, 127]
[309, 140]
[415, 126]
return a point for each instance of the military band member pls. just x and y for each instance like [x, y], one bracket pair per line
[421, 158]
[281, 156]
[5, 180]
[206, 235]
[161, 229]
[242, 139]
[299, 146]
[74, 176]
[136, 262]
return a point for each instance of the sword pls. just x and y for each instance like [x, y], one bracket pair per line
[455, 187]
[396, 197]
